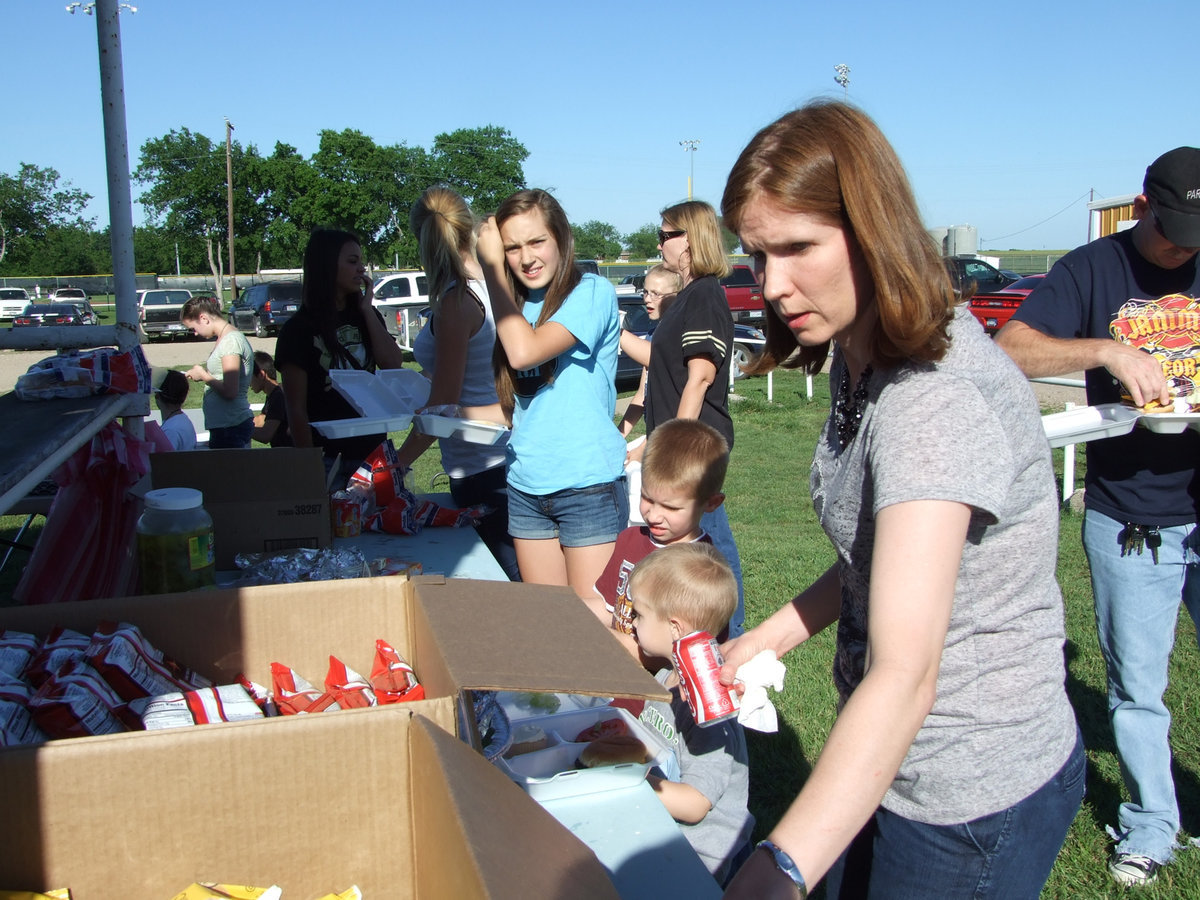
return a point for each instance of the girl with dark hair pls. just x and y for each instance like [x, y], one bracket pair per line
[336, 327]
[556, 360]
[954, 767]
[455, 352]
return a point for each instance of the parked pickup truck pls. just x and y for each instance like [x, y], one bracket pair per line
[743, 295]
[158, 313]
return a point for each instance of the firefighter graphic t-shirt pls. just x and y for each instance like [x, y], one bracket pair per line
[1106, 289]
[563, 433]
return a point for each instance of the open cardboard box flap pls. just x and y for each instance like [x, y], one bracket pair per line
[379, 798]
[526, 637]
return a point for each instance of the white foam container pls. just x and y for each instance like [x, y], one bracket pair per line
[383, 394]
[1171, 423]
[1089, 423]
[549, 774]
[463, 429]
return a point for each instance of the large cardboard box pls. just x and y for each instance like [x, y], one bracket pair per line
[261, 501]
[316, 802]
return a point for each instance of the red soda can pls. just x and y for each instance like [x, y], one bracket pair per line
[347, 514]
[698, 663]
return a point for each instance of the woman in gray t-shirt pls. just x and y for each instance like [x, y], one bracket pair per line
[954, 766]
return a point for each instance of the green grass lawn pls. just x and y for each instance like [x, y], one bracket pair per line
[783, 549]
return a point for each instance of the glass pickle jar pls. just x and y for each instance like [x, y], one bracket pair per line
[175, 542]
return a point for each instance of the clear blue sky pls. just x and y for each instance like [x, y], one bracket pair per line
[1006, 115]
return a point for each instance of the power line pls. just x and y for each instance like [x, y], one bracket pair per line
[1043, 222]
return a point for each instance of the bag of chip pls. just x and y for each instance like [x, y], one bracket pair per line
[75, 702]
[294, 695]
[135, 668]
[349, 688]
[392, 678]
[62, 645]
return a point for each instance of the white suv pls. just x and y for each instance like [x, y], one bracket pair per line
[402, 294]
[12, 301]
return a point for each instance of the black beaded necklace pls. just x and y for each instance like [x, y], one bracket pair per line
[847, 408]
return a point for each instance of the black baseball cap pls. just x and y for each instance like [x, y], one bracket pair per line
[1172, 186]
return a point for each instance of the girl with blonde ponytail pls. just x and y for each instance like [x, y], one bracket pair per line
[455, 352]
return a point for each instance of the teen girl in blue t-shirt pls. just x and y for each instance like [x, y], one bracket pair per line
[558, 335]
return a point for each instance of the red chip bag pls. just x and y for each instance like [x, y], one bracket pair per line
[16, 650]
[134, 667]
[75, 701]
[348, 687]
[16, 723]
[392, 678]
[294, 695]
[62, 645]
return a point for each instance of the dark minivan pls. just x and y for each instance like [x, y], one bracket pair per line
[263, 308]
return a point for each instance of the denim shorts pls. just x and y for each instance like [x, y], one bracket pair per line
[235, 437]
[577, 517]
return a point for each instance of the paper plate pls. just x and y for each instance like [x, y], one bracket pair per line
[1089, 423]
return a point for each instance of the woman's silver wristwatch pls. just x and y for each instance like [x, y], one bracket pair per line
[786, 865]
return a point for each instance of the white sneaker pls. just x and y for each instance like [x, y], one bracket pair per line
[1133, 869]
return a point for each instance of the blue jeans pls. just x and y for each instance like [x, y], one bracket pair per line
[576, 517]
[1007, 854]
[490, 488]
[716, 523]
[1137, 606]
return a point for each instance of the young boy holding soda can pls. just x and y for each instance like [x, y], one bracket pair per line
[682, 595]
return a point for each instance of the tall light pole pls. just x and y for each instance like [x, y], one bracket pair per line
[690, 147]
[843, 77]
[229, 203]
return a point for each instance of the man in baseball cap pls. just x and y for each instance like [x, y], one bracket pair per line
[1122, 308]
[1172, 189]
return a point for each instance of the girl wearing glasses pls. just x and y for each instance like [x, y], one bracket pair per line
[688, 370]
[556, 361]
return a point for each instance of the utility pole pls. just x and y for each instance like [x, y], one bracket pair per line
[229, 202]
[690, 147]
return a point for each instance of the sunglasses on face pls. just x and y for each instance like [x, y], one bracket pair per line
[664, 236]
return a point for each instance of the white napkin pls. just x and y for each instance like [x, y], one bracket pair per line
[757, 710]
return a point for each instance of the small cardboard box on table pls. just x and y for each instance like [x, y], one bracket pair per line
[387, 798]
[261, 501]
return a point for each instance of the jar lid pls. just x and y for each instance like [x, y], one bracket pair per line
[174, 498]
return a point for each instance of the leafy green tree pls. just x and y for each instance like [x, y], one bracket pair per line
[31, 203]
[643, 243]
[362, 187]
[482, 164]
[596, 240]
[187, 193]
[728, 238]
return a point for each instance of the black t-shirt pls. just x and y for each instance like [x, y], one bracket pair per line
[275, 410]
[1106, 289]
[697, 323]
[300, 344]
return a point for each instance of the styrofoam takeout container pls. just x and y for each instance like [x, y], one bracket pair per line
[464, 429]
[382, 394]
[1089, 423]
[549, 774]
[1171, 423]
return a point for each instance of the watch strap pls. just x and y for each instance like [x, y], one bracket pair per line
[785, 864]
